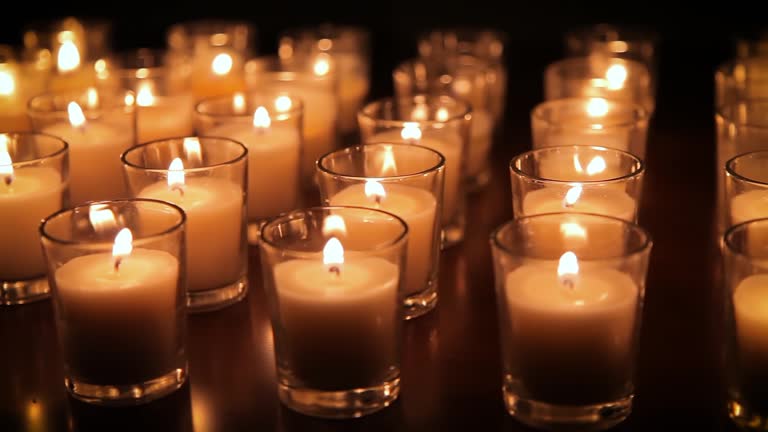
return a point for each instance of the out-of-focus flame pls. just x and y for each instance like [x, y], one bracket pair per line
[76, 116]
[222, 64]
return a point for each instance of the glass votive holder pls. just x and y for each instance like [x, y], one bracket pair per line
[334, 278]
[591, 121]
[348, 51]
[19, 81]
[740, 80]
[270, 126]
[33, 185]
[600, 76]
[405, 180]
[569, 317]
[746, 187]
[441, 123]
[116, 269]
[583, 179]
[164, 101]
[206, 177]
[315, 85]
[465, 78]
[98, 125]
[216, 50]
[486, 44]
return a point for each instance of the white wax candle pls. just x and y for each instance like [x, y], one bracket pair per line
[34, 194]
[120, 326]
[417, 207]
[566, 166]
[750, 306]
[748, 206]
[570, 344]
[214, 209]
[339, 331]
[604, 201]
[273, 158]
[167, 117]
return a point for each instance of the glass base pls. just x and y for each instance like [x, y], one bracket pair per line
[547, 416]
[746, 417]
[26, 291]
[453, 233]
[218, 298]
[254, 232]
[134, 394]
[478, 182]
[339, 404]
[418, 304]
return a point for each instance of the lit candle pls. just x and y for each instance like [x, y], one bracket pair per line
[606, 201]
[13, 104]
[570, 331]
[217, 74]
[72, 75]
[554, 166]
[162, 117]
[214, 209]
[750, 305]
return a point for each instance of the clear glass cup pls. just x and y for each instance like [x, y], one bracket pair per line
[403, 179]
[569, 317]
[20, 80]
[334, 280]
[740, 80]
[591, 121]
[98, 125]
[270, 126]
[206, 177]
[441, 123]
[116, 269]
[584, 179]
[316, 86]
[745, 261]
[600, 76]
[465, 78]
[746, 187]
[742, 127]
[348, 50]
[33, 185]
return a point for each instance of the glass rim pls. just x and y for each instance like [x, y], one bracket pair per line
[641, 113]
[297, 106]
[61, 151]
[276, 70]
[727, 239]
[639, 165]
[731, 170]
[721, 111]
[477, 64]
[120, 58]
[644, 245]
[291, 215]
[726, 67]
[324, 31]
[560, 65]
[325, 170]
[175, 226]
[204, 26]
[240, 157]
[628, 34]
[114, 93]
[464, 110]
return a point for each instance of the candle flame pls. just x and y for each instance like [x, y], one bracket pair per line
[7, 83]
[222, 64]
[375, 190]
[333, 254]
[419, 112]
[283, 103]
[192, 150]
[100, 67]
[334, 224]
[176, 174]
[568, 268]
[102, 218]
[411, 131]
[572, 196]
[144, 97]
[76, 116]
[6, 164]
[122, 247]
[322, 66]
[573, 229]
[442, 115]
[93, 97]
[389, 166]
[238, 103]
[577, 164]
[616, 75]
[597, 107]
[596, 165]
[69, 57]
[261, 118]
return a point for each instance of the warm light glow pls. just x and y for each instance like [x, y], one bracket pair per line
[618, 46]
[192, 150]
[69, 57]
[144, 96]
[7, 83]
[222, 64]
[442, 115]
[597, 107]
[238, 103]
[76, 116]
[411, 131]
[388, 165]
[102, 218]
[577, 164]
[176, 174]
[261, 118]
[283, 103]
[324, 44]
[100, 66]
[123, 244]
[572, 196]
[616, 75]
[596, 165]
[334, 225]
[322, 66]
[462, 87]
[573, 229]
[93, 97]
[142, 73]
[568, 268]
[419, 113]
[333, 252]
[6, 164]
[375, 190]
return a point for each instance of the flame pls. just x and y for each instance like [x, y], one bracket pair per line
[577, 164]
[283, 103]
[572, 196]
[411, 131]
[616, 75]
[573, 229]
[123, 245]
[222, 64]
[176, 174]
[238, 103]
[596, 165]
[389, 166]
[333, 252]
[597, 107]
[322, 66]
[7, 83]
[419, 112]
[144, 96]
[568, 267]
[100, 67]
[375, 190]
[261, 118]
[76, 116]
[101, 217]
[69, 57]
[334, 224]
[93, 97]
[192, 150]
[442, 115]
[142, 73]
[6, 164]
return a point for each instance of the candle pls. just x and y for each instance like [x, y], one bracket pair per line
[749, 205]
[353, 88]
[13, 104]
[214, 208]
[599, 200]
[94, 155]
[27, 195]
[576, 167]
[162, 117]
[118, 314]
[750, 305]
[272, 149]
[416, 206]
[339, 318]
[570, 331]
[72, 74]
[216, 74]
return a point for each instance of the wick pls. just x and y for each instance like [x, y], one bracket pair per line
[335, 270]
[179, 188]
[8, 180]
[377, 198]
[568, 283]
[118, 260]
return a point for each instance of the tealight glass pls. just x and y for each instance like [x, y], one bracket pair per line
[441, 123]
[120, 311]
[270, 126]
[19, 81]
[98, 125]
[336, 308]
[32, 187]
[464, 77]
[206, 177]
[746, 187]
[740, 80]
[569, 317]
[406, 180]
[591, 121]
